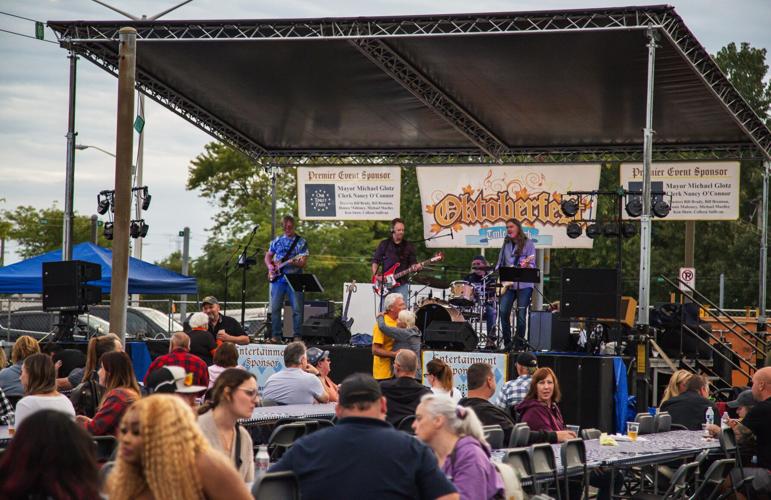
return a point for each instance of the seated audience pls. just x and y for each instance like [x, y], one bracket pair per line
[88, 392]
[179, 355]
[440, 377]
[294, 385]
[513, 392]
[690, 407]
[226, 356]
[6, 409]
[481, 387]
[3, 359]
[38, 376]
[116, 374]
[49, 457]
[364, 454]
[202, 343]
[403, 392]
[163, 454]
[174, 380]
[67, 359]
[405, 334]
[10, 381]
[320, 361]
[743, 404]
[676, 385]
[757, 423]
[234, 397]
[539, 408]
[457, 438]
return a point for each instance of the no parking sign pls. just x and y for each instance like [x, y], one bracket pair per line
[687, 275]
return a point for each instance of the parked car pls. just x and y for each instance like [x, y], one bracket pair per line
[142, 322]
[42, 324]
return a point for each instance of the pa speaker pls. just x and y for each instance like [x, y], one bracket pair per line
[589, 293]
[64, 285]
[548, 332]
[311, 309]
[450, 335]
[318, 331]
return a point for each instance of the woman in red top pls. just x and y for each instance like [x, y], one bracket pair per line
[116, 374]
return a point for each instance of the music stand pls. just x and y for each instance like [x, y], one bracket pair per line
[520, 274]
[303, 282]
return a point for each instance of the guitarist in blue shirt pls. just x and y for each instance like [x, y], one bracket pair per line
[287, 254]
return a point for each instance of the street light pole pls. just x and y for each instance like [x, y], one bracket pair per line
[69, 177]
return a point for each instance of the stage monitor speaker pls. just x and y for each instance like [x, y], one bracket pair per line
[548, 332]
[450, 335]
[65, 288]
[312, 309]
[318, 331]
[588, 293]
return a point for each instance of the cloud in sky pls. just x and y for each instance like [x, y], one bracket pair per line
[33, 98]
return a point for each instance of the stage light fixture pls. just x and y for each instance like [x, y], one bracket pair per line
[593, 231]
[574, 230]
[145, 228]
[634, 207]
[569, 207]
[108, 231]
[610, 230]
[135, 229]
[146, 201]
[103, 204]
[661, 208]
[628, 229]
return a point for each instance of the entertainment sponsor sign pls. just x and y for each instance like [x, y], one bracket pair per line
[263, 360]
[699, 190]
[473, 203]
[348, 193]
[460, 361]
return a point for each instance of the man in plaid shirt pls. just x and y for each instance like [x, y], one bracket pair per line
[513, 392]
[179, 355]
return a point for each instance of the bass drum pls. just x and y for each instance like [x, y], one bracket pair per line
[436, 310]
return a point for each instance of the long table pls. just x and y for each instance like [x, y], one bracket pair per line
[272, 414]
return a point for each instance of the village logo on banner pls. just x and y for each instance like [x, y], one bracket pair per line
[475, 203]
[348, 193]
[263, 360]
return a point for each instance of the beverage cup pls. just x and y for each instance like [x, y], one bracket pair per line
[11, 425]
[631, 430]
[705, 430]
[574, 428]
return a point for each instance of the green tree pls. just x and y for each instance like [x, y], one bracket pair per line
[40, 230]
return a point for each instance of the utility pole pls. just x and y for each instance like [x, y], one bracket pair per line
[763, 271]
[185, 270]
[94, 231]
[123, 153]
[69, 177]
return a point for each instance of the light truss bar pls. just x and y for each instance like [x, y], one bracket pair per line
[429, 94]
[343, 28]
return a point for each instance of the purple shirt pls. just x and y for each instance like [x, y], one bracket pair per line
[471, 471]
[508, 257]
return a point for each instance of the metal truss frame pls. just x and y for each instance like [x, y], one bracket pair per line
[95, 41]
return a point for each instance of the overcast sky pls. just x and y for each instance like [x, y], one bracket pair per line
[33, 98]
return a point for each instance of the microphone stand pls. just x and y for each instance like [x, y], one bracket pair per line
[226, 269]
[245, 262]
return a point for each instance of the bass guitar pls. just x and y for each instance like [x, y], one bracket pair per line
[350, 290]
[390, 278]
[275, 273]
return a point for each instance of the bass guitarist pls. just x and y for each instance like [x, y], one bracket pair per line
[395, 250]
[517, 251]
[287, 254]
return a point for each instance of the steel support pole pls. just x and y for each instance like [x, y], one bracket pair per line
[185, 270]
[273, 203]
[123, 153]
[69, 176]
[94, 229]
[138, 177]
[763, 268]
[539, 258]
[645, 220]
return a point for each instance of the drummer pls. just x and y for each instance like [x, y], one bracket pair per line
[479, 269]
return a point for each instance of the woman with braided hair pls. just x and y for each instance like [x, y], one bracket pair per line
[162, 454]
[457, 438]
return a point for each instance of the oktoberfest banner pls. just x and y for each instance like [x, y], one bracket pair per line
[348, 193]
[475, 202]
[698, 190]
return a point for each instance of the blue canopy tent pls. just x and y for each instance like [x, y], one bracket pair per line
[144, 278]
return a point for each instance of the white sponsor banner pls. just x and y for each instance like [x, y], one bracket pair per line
[349, 193]
[699, 190]
[475, 202]
[460, 361]
[263, 360]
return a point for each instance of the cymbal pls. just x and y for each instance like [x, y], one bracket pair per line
[481, 268]
[427, 280]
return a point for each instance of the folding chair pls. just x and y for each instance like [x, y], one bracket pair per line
[520, 435]
[662, 422]
[275, 485]
[405, 424]
[544, 467]
[646, 423]
[283, 437]
[494, 436]
[573, 458]
[713, 477]
[519, 460]
[587, 434]
[106, 446]
[678, 487]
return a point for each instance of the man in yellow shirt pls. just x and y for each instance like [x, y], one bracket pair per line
[382, 345]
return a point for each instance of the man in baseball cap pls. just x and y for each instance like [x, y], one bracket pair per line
[174, 380]
[222, 328]
[743, 403]
[513, 392]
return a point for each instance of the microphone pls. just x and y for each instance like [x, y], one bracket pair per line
[451, 236]
[256, 227]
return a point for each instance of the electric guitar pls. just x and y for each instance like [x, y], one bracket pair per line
[390, 278]
[505, 285]
[275, 273]
[350, 290]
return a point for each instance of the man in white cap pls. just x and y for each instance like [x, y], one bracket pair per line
[174, 380]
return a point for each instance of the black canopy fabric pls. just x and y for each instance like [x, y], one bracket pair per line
[489, 85]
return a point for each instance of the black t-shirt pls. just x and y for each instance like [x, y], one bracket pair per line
[758, 420]
[402, 397]
[202, 344]
[389, 253]
[489, 414]
[230, 325]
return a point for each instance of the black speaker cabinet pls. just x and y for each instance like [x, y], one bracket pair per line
[588, 293]
[64, 285]
[312, 309]
[548, 332]
[450, 335]
[325, 331]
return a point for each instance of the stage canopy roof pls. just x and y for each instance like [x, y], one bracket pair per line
[468, 88]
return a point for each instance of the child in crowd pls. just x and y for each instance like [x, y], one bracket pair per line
[405, 334]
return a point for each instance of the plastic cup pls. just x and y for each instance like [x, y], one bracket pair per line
[11, 424]
[631, 430]
[705, 430]
[574, 428]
